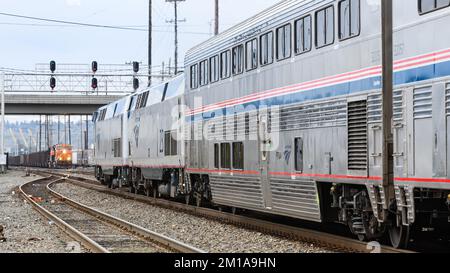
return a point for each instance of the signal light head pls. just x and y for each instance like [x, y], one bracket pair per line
[94, 66]
[135, 67]
[136, 83]
[52, 83]
[53, 66]
[94, 83]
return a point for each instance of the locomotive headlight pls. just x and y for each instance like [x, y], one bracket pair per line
[69, 158]
[64, 151]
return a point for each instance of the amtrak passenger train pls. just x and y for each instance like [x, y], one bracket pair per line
[282, 114]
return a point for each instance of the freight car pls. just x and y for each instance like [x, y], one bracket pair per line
[283, 116]
[58, 156]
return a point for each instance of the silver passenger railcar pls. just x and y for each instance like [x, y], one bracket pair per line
[290, 101]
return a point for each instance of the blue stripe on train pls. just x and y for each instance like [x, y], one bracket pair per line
[408, 76]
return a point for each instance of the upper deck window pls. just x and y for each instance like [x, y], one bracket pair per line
[204, 73]
[303, 34]
[284, 42]
[251, 50]
[225, 61]
[426, 6]
[349, 19]
[325, 27]
[238, 60]
[194, 76]
[266, 48]
[214, 69]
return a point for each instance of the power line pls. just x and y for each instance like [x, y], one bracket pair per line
[69, 22]
[128, 28]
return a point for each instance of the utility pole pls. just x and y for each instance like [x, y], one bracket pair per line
[216, 20]
[387, 95]
[150, 41]
[175, 22]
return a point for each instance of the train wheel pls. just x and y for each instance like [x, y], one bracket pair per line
[148, 192]
[399, 235]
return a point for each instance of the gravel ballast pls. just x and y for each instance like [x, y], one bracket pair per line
[209, 235]
[25, 230]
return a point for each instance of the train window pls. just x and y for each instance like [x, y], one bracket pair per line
[299, 154]
[115, 109]
[204, 73]
[194, 76]
[132, 103]
[225, 155]
[426, 6]
[142, 100]
[303, 35]
[216, 156]
[284, 42]
[349, 19]
[238, 156]
[325, 27]
[266, 48]
[251, 54]
[238, 60]
[117, 147]
[225, 61]
[214, 69]
[170, 144]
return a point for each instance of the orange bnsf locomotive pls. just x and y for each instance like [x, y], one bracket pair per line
[58, 156]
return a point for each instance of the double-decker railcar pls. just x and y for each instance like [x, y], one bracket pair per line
[291, 101]
[147, 153]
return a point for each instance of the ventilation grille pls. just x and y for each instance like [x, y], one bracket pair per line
[313, 116]
[447, 99]
[374, 104]
[357, 135]
[374, 108]
[398, 105]
[423, 103]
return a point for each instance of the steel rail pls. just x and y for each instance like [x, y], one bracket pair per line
[130, 227]
[68, 229]
[321, 238]
[90, 244]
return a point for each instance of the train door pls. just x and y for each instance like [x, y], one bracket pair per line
[264, 152]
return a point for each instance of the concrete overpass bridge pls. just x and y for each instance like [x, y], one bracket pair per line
[56, 104]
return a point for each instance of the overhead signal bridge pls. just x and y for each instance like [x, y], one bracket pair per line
[71, 89]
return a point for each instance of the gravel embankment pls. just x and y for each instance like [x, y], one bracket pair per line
[25, 230]
[211, 236]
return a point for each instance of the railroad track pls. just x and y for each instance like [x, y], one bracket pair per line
[330, 241]
[96, 231]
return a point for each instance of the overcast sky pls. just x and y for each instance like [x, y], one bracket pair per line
[34, 42]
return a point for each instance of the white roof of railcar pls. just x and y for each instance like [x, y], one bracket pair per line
[251, 26]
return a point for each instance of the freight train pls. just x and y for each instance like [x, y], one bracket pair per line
[282, 114]
[58, 156]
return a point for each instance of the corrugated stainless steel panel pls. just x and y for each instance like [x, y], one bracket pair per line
[237, 191]
[357, 136]
[423, 103]
[295, 198]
